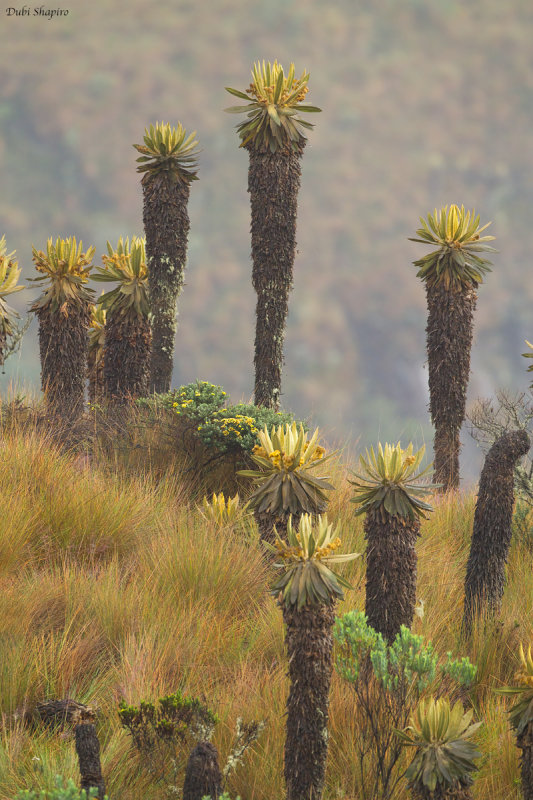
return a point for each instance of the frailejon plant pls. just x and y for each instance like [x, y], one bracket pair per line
[444, 759]
[493, 517]
[64, 314]
[95, 354]
[9, 275]
[227, 512]
[285, 483]
[127, 329]
[273, 134]
[451, 274]
[388, 491]
[521, 718]
[168, 162]
[307, 592]
[388, 681]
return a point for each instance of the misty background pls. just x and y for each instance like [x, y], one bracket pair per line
[425, 103]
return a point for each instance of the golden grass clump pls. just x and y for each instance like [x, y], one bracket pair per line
[113, 587]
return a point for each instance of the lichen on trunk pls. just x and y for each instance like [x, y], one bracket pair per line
[449, 341]
[166, 225]
[273, 184]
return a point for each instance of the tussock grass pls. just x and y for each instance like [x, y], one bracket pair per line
[113, 586]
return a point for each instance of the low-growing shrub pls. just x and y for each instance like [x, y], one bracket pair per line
[60, 792]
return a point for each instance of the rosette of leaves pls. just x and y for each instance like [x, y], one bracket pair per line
[444, 759]
[272, 133]
[305, 559]
[168, 164]
[225, 511]
[308, 591]
[95, 354]
[128, 335]
[9, 275]
[451, 273]
[521, 717]
[389, 493]
[274, 104]
[64, 314]
[285, 483]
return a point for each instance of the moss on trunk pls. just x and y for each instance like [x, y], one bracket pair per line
[391, 570]
[273, 184]
[166, 225]
[309, 642]
[63, 343]
[449, 341]
[491, 538]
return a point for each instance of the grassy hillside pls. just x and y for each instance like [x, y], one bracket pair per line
[424, 104]
[113, 587]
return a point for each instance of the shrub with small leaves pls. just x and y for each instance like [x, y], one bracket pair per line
[160, 729]
[60, 792]
[388, 681]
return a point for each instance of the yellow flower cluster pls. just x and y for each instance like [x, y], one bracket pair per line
[320, 552]
[297, 553]
[232, 424]
[287, 459]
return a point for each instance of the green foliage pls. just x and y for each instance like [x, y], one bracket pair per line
[159, 729]
[389, 681]
[521, 713]
[67, 270]
[9, 275]
[454, 264]
[406, 661]
[387, 482]
[125, 265]
[60, 792]
[274, 103]
[443, 756]
[307, 578]
[170, 151]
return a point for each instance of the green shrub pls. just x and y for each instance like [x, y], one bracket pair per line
[388, 681]
[61, 792]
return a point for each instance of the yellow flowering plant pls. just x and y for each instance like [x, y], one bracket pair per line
[305, 559]
[521, 714]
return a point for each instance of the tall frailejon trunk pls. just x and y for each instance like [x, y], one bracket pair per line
[202, 775]
[309, 642]
[88, 750]
[525, 743]
[166, 225]
[126, 357]
[273, 184]
[391, 571]
[63, 343]
[491, 538]
[449, 341]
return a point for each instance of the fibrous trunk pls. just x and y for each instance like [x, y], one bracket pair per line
[202, 774]
[391, 568]
[525, 743]
[273, 183]
[63, 343]
[126, 357]
[166, 225]
[88, 750]
[491, 538]
[309, 643]
[267, 522]
[449, 341]
[460, 791]
[96, 376]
